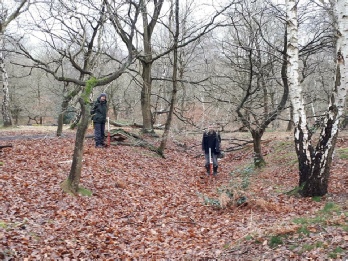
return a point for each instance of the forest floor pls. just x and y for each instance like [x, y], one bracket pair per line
[144, 207]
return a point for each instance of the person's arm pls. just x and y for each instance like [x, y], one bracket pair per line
[94, 107]
[217, 143]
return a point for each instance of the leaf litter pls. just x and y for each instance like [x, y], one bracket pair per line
[146, 207]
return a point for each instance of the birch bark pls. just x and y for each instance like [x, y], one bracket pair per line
[5, 108]
[302, 135]
[317, 183]
[315, 164]
[5, 19]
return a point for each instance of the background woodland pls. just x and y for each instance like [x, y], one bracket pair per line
[170, 68]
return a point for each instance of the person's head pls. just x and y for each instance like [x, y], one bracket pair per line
[211, 128]
[102, 97]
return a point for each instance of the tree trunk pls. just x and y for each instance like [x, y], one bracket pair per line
[115, 111]
[314, 165]
[7, 16]
[175, 82]
[146, 98]
[147, 62]
[64, 107]
[290, 125]
[317, 182]
[302, 135]
[259, 161]
[60, 122]
[76, 166]
[6, 112]
[76, 120]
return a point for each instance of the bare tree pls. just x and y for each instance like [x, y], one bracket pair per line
[77, 48]
[257, 69]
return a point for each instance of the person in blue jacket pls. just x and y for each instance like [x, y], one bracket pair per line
[99, 111]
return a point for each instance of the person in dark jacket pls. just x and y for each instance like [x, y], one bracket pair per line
[211, 140]
[99, 111]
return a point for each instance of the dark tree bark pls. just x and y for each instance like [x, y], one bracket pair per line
[60, 121]
[259, 161]
[147, 61]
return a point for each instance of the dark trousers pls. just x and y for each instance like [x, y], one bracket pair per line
[214, 158]
[99, 133]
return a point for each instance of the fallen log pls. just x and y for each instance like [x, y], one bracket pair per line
[5, 146]
[133, 125]
[125, 138]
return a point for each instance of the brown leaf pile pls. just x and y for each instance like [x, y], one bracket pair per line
[144, 207]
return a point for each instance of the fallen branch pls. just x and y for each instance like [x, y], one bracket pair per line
[5, 146]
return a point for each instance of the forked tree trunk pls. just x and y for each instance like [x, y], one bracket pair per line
[317, 183]
[315, 164]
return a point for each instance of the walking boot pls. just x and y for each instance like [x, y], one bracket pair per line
[208, 169]
[215, 170]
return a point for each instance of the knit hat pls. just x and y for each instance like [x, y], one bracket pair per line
[102, 94]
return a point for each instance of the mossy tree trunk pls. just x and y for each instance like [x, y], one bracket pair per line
[73, 181]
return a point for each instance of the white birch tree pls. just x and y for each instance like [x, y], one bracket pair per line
[6, 17]
[315, 162]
